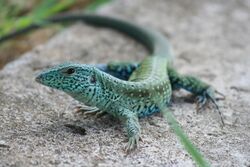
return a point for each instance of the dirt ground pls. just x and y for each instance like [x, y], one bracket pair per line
[210, 39]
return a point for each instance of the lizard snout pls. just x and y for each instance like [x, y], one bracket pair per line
[38, 78]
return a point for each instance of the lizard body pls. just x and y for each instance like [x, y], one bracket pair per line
[148, 87]
[139, 91]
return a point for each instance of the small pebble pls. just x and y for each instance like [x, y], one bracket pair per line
[4, 144]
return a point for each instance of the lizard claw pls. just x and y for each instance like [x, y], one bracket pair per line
[132, 144]
[87, 110]
[100, 114]
[223, 97]
[209, 96]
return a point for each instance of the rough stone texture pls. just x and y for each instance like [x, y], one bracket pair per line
[210, 39]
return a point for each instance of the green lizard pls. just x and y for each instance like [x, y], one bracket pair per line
[127, 91]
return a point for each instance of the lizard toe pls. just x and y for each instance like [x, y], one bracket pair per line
[208, 96]
[132, 144]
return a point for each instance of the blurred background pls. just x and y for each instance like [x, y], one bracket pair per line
[17, 14]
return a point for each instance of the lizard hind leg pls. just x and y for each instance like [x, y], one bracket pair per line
[209, 95]
[204, 92]
[121, 70]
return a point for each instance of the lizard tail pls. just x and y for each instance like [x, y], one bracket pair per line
[154, 41]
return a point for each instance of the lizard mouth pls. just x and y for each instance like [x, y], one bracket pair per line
[38, 79]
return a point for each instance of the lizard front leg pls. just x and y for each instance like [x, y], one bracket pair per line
[133, 130]
[87, 110]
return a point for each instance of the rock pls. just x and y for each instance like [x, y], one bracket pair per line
[210, 39]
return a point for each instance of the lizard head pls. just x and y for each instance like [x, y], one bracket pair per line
[77, 80]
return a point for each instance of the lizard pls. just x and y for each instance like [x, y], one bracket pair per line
[128, 91]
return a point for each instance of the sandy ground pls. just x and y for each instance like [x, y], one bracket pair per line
[210, 40]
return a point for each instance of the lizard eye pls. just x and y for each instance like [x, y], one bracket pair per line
[70, 71]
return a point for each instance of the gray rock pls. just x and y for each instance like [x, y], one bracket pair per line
[210, 39]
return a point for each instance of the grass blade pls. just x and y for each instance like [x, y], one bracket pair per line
[191, 149]
[45, 9]
[95, 5]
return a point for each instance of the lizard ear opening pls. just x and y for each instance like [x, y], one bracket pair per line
[93, 79]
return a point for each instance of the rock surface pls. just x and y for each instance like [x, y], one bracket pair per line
[210, 39]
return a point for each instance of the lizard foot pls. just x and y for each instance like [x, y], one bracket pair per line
[86, 110]
[209, 96]
[132, 143]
